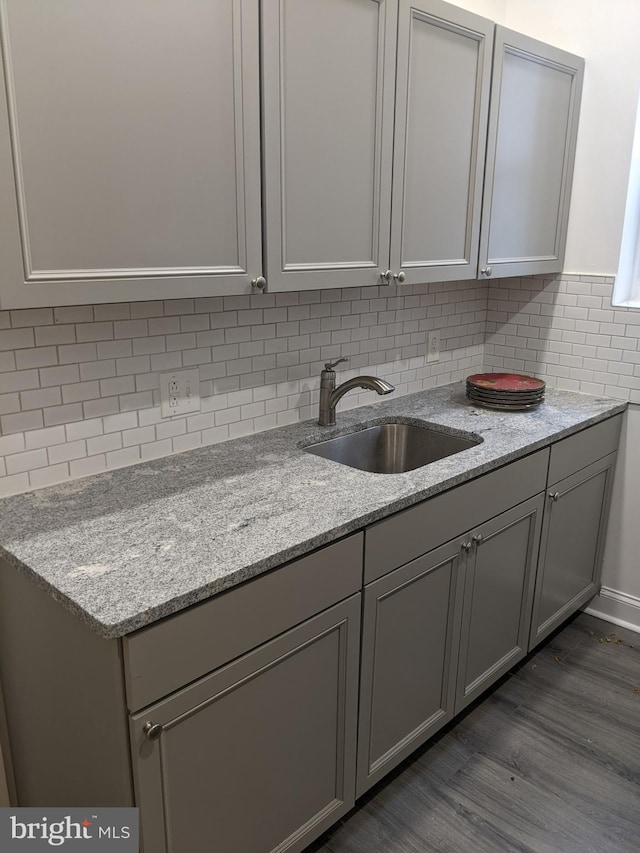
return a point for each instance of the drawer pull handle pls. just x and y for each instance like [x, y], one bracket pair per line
[554, 496]
[466, 546]
[478, 539]
[152, 730]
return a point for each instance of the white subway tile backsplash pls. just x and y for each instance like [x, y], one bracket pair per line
[63, 414]
[84, 429]
[155, 449]
[11, 403]
[104, 443]
[27, 461]
[14, 484]
[85, 467]
[68, 451]
[139, 435]
[260, 356]
[186, 442]
[13, 339]
[45, 437]
[31, 317]
[94, 332]
[100, 407]
[79, 391]
[48, 476]
[112, 311]
[55, 335]
[73, 314]
[130, 329]
[604, 339]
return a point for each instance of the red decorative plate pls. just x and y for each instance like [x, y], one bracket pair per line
[511, 382]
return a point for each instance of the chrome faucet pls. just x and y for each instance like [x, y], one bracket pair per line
[330, 395]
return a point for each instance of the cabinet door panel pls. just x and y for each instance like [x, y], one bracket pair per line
[572, 545]
[134, 149]
[533, 127]
[328, 91]
[500, 575]
[260, 755]
[442, 95]
[410, 641]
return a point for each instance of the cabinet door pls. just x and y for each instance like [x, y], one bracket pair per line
[442, 99]
[259, 755]
[129, 150]
[328, 72]
[409, 647]
[573, 534]
[498, 590]
[533, 125]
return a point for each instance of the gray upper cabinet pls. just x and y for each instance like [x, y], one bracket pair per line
[148, 152]
[442, 101]
[328, 76]
[330, 182]
[533, 125]
[129, 150]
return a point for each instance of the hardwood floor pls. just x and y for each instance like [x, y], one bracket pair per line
[548, 762]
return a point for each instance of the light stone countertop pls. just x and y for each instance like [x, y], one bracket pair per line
[125, 548]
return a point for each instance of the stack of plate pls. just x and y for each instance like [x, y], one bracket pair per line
[508, 391]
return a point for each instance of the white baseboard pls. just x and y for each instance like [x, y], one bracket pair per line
[616, 607]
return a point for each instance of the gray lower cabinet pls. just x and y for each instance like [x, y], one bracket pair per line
[572, 545]
[411, 628]
[244, 729]
[441, 629]
[575, 522]
[259, 755]
[498, 591]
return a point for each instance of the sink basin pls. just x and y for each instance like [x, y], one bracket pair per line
[392, 448]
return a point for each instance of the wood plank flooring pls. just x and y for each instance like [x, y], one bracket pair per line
[548, 762]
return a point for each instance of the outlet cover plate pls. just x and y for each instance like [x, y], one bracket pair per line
[433, 345]
[179, 392]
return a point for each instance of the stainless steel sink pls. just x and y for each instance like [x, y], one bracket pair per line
[392, 448]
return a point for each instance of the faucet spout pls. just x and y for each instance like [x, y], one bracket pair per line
[372, 383]
[330, 395]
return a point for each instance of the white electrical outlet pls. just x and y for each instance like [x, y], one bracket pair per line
[179, 392]
[433, 345]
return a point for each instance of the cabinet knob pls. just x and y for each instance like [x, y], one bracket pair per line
[259, 283]
[399, 277]
[486, 271]
[386, 276]
[152, 730]
[466, 546]
[554, 495]
[477, 539]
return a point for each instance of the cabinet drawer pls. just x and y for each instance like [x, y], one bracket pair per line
[579, 450]
[394, 541]
[166, 656]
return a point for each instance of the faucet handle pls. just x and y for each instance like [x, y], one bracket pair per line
[329, 365]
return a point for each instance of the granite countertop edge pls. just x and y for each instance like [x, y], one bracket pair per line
[90, 597]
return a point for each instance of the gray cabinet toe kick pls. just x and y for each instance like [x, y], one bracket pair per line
[253, 720]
